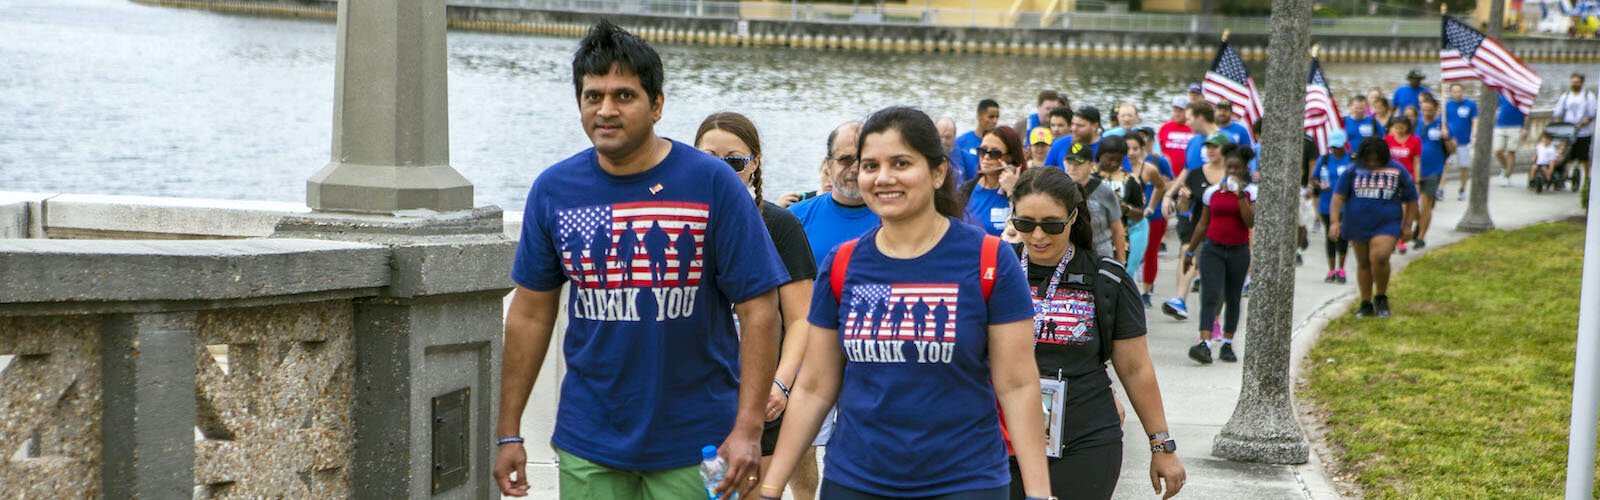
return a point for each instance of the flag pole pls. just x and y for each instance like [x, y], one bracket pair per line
[1586, 375]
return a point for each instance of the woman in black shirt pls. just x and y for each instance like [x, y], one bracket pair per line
[1081, 302]
[734, 139]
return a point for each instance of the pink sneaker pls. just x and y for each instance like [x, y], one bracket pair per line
[1341, 277]
[1216, 330]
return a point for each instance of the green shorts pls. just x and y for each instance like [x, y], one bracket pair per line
[582, 479]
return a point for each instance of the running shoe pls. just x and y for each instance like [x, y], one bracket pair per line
[1461, 195]
[1381, 305]
[1146, 298]
[1194, 286]
[1507, 181]
[1176, 308]
[1331, 277]
[1226, 353]
[1299, 257]
[1366, 310]
[1419, 244]
[1201, 353]
[1401, 247]
[1245, 292]
[1342, 279]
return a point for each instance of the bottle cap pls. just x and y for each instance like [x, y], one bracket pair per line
[708, 453]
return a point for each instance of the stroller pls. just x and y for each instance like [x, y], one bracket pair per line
[1562, 175]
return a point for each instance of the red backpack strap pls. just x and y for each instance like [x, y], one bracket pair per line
[986, 268]
[841, 264]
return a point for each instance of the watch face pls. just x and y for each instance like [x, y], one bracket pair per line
[1169, 446]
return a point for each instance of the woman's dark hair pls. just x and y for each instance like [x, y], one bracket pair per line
[745, 130]
[1372, 153]
[1239, 151]
[1112, 145]
[1056, 184]
[1401, 120]
[608, 46]
[1136, 135]
[917, 130]
[1013, 142]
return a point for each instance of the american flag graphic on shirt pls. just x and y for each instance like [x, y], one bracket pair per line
[1067, 317]
[640, 244]
[902, 311]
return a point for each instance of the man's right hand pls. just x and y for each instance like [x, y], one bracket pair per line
[511, 458]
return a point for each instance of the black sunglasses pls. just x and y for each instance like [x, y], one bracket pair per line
[993, 154]
[1049, 227]
[737, 162]
[845, 160]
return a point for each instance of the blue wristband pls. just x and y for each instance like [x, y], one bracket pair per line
[781, 387]
[508, 440]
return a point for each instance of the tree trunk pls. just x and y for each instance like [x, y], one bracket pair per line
[1263, 427]
[1477, 220]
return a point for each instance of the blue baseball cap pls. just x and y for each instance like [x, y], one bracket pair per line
[1337, 139]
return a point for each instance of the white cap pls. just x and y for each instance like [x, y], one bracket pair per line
[1181, 101]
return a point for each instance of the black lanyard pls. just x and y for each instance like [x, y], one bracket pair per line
[1050, 292]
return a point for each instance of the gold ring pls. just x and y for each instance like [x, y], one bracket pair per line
[751, 478]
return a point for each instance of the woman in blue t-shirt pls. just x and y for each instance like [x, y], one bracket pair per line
[1330, 168]
[924, 335]
[1000, 159]
[733, 138]
[1373, 207]
[1087, 312]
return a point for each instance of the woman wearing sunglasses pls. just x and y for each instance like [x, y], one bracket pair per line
[734, 139]
[1000, 159]
[1087, 312]
[911, 347]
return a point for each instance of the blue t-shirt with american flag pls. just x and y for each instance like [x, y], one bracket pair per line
[917, 414]
[655, 262]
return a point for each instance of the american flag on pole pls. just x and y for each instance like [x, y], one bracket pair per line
[1322, 111]
[1468, 54]
[1229, 81]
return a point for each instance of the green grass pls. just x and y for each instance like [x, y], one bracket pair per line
[1466, 391]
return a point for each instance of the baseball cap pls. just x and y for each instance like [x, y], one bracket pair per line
[1089, 113]
[1337, 139]
[1040, 135]
[1180, 102]
[1218, 139]
[1079, 153]
[1194, 87]
[1414, 74]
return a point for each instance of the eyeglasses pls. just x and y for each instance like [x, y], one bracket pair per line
[1049, 227]
[737, 162]
[845, 160]
[993, 154]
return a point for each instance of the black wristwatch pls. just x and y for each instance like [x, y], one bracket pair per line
[1166, 444]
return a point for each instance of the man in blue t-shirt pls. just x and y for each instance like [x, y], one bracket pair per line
[1510, 129]
[947, 140]
[1434, 135]
[1202, 120]
[1235, 130]
[1358, 125]
[1085, 130]
[657, 245]
[1405, 99]
[967, 144]
[1460, 117]
[842, 215]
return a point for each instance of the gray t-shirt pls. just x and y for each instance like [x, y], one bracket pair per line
[1103, 208]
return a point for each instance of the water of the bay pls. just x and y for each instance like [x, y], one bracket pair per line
[108, 96]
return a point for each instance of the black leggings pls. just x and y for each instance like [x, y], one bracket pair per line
[834, 491]
[1222, 272]
[1081, 473]
[1334, 247]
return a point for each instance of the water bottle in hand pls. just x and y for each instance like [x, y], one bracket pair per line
[712, 468]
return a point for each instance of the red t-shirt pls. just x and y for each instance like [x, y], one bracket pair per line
[1405, 154]
[1227, 225]
[1174, 139]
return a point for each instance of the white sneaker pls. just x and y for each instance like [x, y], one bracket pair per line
[1505, 181]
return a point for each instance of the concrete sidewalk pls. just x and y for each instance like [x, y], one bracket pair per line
[1199, 399]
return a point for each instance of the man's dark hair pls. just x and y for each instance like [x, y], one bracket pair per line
[1048, 95]
[1204, 110]
[608, 47]
[1579, 76]
[985, 104]
[1064, 112]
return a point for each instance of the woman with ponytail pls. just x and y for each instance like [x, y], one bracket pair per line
[734, 139]
[1087, 312]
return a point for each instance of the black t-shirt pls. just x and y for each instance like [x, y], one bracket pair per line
[1308, 154]
[790, 239]
[1069, 344]
[1195, 180]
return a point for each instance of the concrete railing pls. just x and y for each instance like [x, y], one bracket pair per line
[256, 357]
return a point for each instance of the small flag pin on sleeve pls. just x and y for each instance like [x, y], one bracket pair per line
[656, 188]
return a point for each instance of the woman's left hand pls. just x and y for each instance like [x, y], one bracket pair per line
[1165, 468]
[1008, 180]
[776, 403]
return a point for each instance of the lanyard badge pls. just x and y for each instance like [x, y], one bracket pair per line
[1049, 292]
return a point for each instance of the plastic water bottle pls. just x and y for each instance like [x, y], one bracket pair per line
[712, 468]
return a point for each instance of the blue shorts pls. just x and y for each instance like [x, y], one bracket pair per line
[1356, 230]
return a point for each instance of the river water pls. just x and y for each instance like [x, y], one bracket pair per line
[107, 96]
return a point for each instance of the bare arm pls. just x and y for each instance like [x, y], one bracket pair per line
[758, 353]
[1335, 211]
[815, 391]
[1016, 384]
[1247, 209]
[1119, 239]
[1408, 217]
[1131, 359]
[1200, 228]
[530, 320]
[794, 298]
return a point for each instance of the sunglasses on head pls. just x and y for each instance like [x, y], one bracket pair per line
[993, 154]
[1049, 227]
[737, 162]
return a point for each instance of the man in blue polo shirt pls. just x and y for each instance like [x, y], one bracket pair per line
[967, 144]
[1460, 117]
[1405, 96]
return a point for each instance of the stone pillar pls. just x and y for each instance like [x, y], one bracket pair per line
[391, 141]
[1263, 427]
[148, 421]
[1477, 220]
